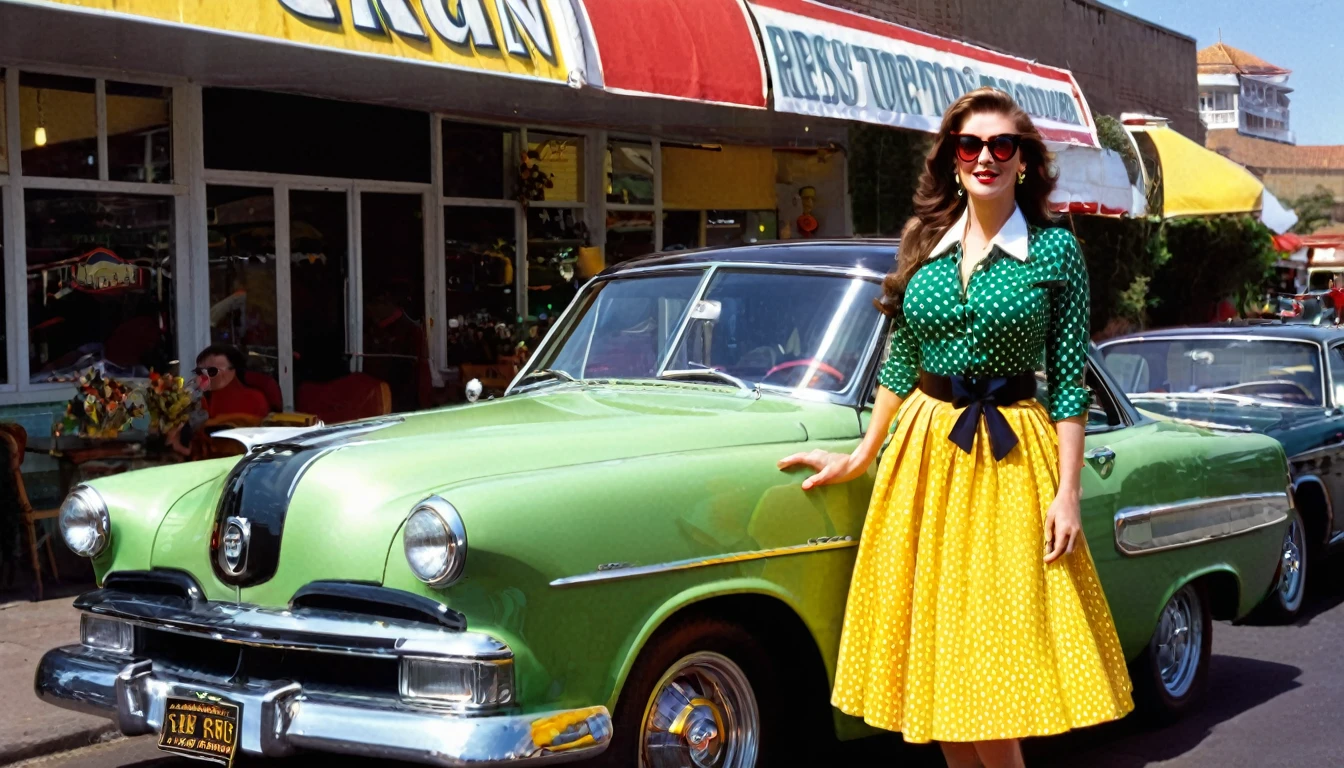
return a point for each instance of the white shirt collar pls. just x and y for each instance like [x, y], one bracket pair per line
[1012, 238]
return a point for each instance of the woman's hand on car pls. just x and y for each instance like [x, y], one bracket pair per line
[830, 467]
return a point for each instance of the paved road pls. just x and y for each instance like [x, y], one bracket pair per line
[1275, 698]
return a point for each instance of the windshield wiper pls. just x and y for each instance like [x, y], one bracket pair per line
[700, 373]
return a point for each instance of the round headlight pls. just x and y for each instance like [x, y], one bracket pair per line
[436, 542]
[84, 522]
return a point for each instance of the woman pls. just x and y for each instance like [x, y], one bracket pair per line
[975, 617]
[219, 375]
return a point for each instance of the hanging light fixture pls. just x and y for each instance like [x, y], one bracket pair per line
[40, 135]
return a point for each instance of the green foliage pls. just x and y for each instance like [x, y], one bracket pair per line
[1113, 136]
[884, 168]
[1211, 258]
[1314, 211]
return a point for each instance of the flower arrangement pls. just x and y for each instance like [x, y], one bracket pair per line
[102, 407]
[170, 401]
[532, 180]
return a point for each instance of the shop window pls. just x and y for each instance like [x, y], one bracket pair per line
[396, 346]
[740, 227]
[139, 133]
[554, 237]
[681, 230]
[100, 284]
[479, 161]
[318, 284]
[58, 125]
[242, 273]
[480, 266]
[553, 169]
[629, 234]
[629, 168]
[4, 143]
[281, 133]
[4, 330]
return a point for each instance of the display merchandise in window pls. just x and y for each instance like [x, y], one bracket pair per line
[552, 169]
[554, 237]
[100, 284]
[480, 276]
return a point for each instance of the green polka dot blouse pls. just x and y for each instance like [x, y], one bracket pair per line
[1013, 316]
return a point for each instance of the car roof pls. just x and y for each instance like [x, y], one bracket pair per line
[1266, 329]
[874, 255]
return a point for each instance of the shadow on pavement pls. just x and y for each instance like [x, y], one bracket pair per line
[1236, 685]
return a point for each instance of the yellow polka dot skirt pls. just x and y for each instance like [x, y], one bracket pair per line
[956, 629]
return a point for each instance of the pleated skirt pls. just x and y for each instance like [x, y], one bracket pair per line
[955, 628]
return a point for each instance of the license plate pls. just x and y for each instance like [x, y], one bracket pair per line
[203, 726]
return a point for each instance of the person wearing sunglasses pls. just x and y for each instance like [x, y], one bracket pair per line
[219, 373]
[975, 617]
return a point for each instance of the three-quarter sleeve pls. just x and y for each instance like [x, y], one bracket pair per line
[900, 372]
[1067, 340]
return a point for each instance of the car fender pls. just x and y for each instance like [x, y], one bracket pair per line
[687, 599]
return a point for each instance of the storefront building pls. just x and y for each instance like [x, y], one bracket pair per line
[411, 188]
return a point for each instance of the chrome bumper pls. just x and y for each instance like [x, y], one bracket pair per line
[280, 717]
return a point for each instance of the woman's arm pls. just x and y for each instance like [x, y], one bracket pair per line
[843, 467]
[1064, 520]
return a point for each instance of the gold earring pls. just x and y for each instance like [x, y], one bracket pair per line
[1021, 177]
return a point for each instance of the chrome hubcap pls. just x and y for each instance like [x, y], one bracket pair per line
[1291, 572]
[1179, 640]
[702, 714]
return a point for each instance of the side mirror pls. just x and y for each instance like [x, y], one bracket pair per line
[473, 390]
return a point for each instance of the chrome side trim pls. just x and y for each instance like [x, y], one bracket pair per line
[1312, 453]
[302, 629]
[1160, 527]
[280, 717]
[607, 573]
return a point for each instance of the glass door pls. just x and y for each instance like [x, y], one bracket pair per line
[392, 273]
[319, 269]
[242, 264]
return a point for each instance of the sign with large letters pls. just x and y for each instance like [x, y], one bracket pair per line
[534, 39]
[833, 63]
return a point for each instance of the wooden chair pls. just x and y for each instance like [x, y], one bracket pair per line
[13, 440]
[356, 396]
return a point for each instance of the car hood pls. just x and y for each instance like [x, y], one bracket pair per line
[347, 489]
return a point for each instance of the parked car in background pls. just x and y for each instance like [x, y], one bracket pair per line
[1285, 381]
[605, 562]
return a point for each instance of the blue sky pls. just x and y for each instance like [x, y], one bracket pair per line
[1306, 36]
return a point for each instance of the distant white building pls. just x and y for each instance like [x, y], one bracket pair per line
[1242, 92]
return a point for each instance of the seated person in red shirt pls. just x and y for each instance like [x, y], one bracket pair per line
[219, 371]
[1337, 297]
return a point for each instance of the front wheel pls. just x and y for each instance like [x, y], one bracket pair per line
[1170, 676]
[1284, 601]
[703, 693]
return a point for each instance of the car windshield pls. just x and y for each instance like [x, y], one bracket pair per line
[750, 328]
[1265, 369]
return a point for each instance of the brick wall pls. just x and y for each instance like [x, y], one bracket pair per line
[1122, 63]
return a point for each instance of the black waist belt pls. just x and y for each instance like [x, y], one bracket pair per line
[981, 398]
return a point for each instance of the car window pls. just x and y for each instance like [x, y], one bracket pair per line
[787, 330]
[625, 327]
[1336, 359]
[1270, 369]
[1101, 411]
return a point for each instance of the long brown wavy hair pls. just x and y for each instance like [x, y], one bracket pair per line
[937, 205]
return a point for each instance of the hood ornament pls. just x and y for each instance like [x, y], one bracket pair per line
[233, 549]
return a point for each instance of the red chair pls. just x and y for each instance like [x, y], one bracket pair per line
[266, 386]
[357, 396]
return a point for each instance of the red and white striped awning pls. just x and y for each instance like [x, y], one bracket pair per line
[704, 51]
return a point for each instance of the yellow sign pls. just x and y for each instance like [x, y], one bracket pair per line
[519, 38]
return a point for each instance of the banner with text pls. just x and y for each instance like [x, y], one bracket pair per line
[832, 63]
[533, 39]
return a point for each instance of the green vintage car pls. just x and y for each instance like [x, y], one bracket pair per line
[604, 562]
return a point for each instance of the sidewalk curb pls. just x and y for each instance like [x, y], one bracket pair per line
[16, 753]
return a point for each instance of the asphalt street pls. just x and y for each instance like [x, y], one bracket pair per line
[1275, 698]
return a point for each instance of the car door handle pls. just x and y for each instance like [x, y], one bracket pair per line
[1103, 454]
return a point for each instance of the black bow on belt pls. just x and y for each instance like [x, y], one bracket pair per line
[981, 398]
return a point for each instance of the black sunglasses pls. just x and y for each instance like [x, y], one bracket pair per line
[212, 371]
[1001, 147]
